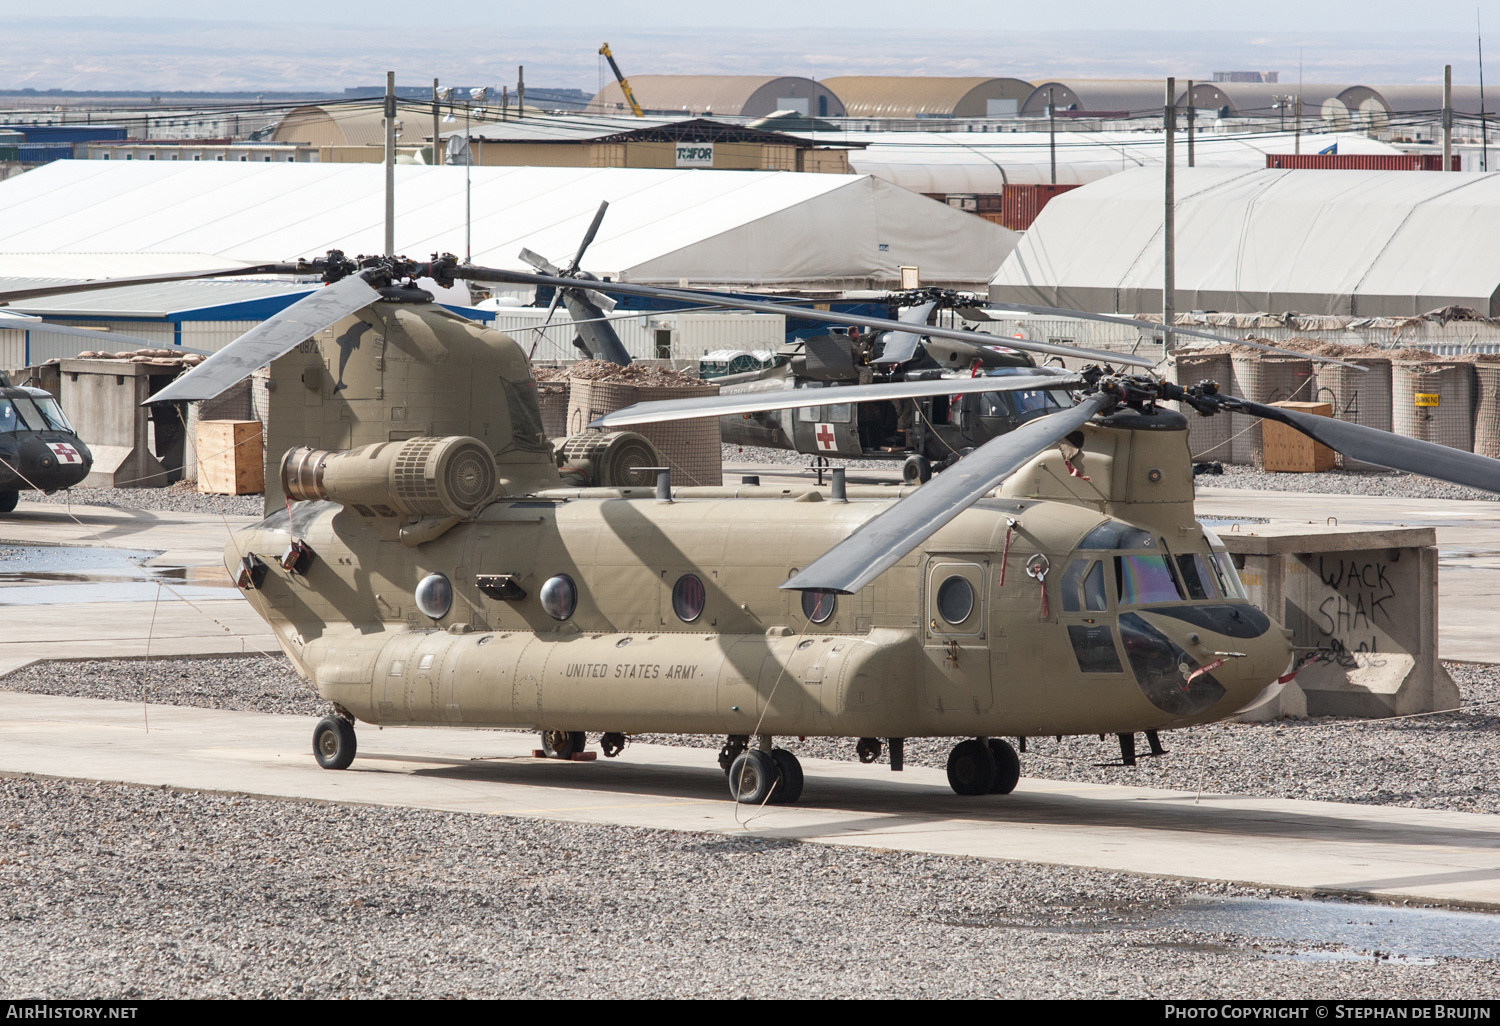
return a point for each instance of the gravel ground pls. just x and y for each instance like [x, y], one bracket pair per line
[1432, 762]
[109, 890]
[177, 498]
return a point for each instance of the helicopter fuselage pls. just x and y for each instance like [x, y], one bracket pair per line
[38, 449]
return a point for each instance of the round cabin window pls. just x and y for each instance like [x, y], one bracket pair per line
[818, 606]
[435, 596]
[559, 597]
[688, 597]
[955, 599]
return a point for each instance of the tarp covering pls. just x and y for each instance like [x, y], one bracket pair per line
[1351, 243]
[702, 226]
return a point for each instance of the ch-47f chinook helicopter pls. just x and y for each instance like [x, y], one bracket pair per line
[435, 565]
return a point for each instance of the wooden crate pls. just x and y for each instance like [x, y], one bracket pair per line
[1290, 450]
[230, 457]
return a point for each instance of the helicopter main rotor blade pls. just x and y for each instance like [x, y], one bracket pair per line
[1383, 448]
[469, 272]
[43, 291]
[588, 236]
[901, 346]
[884, 540]
[1053, 311]
[756, 402]
[538, 261]
[269, 339]
[29, 324]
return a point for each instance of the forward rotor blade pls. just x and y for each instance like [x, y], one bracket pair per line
[734, 301]
[269, 339]
[1371, 445]
[9, 323]
[538, 261]
[884, 540]
[588, 236]
[43, 291]
[756, 402]
[901, 346]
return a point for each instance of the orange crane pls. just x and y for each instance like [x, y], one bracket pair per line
[624, 85]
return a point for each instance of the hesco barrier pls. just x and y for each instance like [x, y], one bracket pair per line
[1487, 410]
[553, 397]
[1208, 437]
[1434, 402]
[1264, 379]
[690, 447]
[1359, 397]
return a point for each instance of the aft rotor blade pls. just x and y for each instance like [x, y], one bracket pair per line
[269, 339]
[884, 540]
[901, 346]
[588, 236]
[1383, 448]
[756, 402]
[43, 291]
[538, 261]
[470, 272]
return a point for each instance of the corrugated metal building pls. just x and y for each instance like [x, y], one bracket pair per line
[1349, 243]
[912, 96]
[752, 96]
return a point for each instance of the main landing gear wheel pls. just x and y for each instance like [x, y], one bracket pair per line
[8, 501]
[563, 744]
[916, 470]
[753, 776]
[612, 744]
[789, 787]
[971, 767]
[1007, 767]
[333, 743]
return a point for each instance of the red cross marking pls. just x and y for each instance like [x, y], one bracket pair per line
[65, 452]
[824, 435]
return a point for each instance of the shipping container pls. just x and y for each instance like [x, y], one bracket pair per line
[69, 133]
[1020, 204]
[1361, 161]
[44, 153]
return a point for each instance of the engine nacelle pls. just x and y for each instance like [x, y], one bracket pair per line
[609, 459]
[417, 477]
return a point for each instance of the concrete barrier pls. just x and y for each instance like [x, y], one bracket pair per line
[1362, 603]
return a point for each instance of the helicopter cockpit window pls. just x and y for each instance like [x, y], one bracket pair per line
[559, 597]
[27, 415]
[1112, 534]
[1095, 599]
[8, 418]
[1196, 576]
[52, 413]
[1223, 567]
[1089, 577]
[1145, 579]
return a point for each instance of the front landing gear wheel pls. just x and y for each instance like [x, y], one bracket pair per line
[971, 767]
[333, 743]
[563, 744]
[752, 777]
[789, 787]
[1007, 767]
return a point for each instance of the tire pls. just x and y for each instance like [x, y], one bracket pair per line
[916, 470]
[563, 744]
[753, 777]
[8, 501]
[1007, 767]
[334, 743]
[971, 767]
[789, 787]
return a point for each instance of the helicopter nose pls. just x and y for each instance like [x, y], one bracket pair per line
[1225, 653]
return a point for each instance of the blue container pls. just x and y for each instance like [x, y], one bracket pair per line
[69, 133]
[44, 153]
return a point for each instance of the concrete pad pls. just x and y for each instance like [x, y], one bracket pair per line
[1393, 852]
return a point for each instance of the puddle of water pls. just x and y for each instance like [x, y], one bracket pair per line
[58, 574]
[1413, 936]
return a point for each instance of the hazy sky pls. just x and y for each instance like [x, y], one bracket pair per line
[281, 44]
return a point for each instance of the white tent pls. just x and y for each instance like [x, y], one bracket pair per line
[1354, 243]
[986, 162]
[112, 218]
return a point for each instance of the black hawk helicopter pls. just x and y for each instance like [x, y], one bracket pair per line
[38, 447]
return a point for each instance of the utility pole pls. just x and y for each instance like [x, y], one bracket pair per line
[437, 147]
[1297, 112]
[390, 163]
[504, 102]
[1191, 111]
[1447, 116]
[1169, 224]
[520, 91]
[1052, 134]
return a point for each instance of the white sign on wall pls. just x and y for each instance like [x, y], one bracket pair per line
[695, 154]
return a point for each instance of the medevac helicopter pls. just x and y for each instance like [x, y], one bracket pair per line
[441, 562]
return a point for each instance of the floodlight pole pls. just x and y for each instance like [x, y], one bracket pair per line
[1192, 109]
[1052, 134]
[437, 150]
[390, 163]
[468, 194]
[1447, 116]
[1169, 223]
